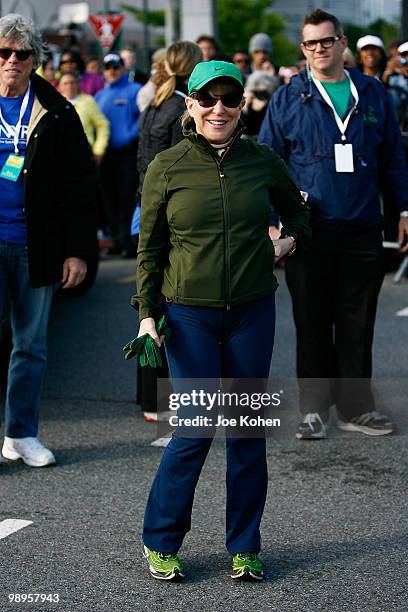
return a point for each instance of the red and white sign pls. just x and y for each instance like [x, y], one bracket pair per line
[106, 28]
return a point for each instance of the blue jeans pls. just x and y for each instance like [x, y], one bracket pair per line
[213, 343]
[29, 314]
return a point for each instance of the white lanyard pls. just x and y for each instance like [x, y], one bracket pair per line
[17, 127]
[342, 125]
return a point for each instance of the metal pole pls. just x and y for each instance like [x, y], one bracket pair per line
[146, 42]
[215, 18]
[404, 20]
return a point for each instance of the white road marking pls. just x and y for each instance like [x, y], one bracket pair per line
[160, 442]
[9, 526]
[403, 312]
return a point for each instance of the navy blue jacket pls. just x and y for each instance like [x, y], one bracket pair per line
[300, 126]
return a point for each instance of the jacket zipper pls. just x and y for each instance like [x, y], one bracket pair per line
[224, 198]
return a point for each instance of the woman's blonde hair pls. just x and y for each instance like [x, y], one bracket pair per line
[181, 57]
[160, 76]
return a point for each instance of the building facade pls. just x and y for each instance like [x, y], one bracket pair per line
[199, 16]
[359, 12]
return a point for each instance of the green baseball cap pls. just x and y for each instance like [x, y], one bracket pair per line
[204, 72]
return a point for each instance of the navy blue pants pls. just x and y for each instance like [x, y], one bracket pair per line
[213, 343]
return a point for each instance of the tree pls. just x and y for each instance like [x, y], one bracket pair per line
[386, 30]
[238, 20]
[153, 18]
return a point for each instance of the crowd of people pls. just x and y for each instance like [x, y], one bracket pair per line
[113, 129]
[113, 132]
[211, 170]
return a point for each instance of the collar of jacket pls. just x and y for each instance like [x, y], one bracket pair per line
[204, 145]
[47, 95]
[47, 99]
[123, 80]
[306, 89]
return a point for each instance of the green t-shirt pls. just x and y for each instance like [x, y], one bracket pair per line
[339, 93]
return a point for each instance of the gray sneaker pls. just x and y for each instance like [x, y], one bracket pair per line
[371, 423]
[311, 428]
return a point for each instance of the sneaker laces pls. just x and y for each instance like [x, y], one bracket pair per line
[166, 556]
[368, 417]
[311, 418]
[247, 556]
[35, 445]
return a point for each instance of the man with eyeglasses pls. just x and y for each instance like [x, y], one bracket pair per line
[47, 222]
[337, 132]
[119, 165]
[241, 59]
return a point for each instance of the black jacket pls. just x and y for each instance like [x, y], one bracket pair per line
[59, 182]
[159, 129]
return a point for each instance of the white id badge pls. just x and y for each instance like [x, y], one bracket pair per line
[343, 155]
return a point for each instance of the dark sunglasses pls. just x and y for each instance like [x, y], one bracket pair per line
[21, 54]
[230, 100]
[67, 61]
[111, 67]
[326, 43]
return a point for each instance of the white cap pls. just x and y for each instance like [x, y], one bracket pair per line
[113, 58]
[403, 48]
[364, 41]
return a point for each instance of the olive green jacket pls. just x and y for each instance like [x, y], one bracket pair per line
[204, 224]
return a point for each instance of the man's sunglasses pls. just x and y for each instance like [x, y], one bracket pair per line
[67, 61]
[326, 43]
[230, 100]
[111, 67]
[21, 54]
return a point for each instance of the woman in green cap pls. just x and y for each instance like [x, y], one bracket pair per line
[205, 260]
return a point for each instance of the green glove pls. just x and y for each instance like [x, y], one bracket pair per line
[151, 354]
[134, 347]
[146, 348]
[163, 329]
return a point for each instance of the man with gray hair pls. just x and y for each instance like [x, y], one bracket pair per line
[47, 222]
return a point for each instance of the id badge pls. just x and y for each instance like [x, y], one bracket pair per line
[12, 168]
[343, 155]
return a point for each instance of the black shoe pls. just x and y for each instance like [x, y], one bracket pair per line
[371, 423]
[311, 428]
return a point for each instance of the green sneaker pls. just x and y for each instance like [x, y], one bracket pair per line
[163, 566]
[247, 566]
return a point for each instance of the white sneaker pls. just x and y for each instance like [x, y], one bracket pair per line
[30, 450]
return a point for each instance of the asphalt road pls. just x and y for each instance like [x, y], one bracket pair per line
[335, 524]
